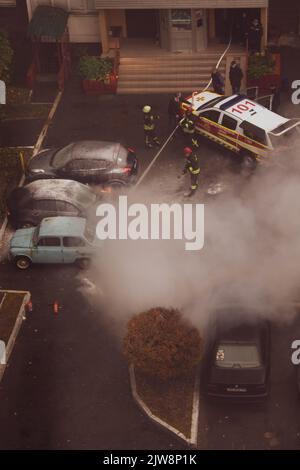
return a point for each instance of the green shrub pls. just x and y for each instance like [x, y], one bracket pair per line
[6, 56]
[160, 343]
[94, 67]
[260, 65]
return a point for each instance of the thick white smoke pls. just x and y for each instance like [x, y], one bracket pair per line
[251, 253]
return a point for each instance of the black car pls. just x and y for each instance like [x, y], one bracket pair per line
[29, 204]
[237, 362]
[91, 162]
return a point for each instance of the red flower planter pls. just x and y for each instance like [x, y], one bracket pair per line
[100, 87]
[265, 82]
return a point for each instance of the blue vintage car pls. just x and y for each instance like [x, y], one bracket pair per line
[55, 240]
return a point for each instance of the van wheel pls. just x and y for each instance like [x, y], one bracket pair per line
[22, 262]
[83, 263]
[249, 161]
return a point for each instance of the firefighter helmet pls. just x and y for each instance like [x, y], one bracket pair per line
[187, 151]
[146, 109]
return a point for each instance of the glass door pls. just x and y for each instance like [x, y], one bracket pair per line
[181, 29]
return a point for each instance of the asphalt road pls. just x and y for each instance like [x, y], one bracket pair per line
[67, 383]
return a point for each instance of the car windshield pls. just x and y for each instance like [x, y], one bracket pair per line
[237, 355]
[62, 156]
[122, 155]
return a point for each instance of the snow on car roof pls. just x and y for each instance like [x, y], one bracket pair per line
[95, 149]
[248, 110]
[65, 190]
[62, 227]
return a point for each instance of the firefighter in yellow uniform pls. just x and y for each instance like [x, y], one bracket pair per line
[191, 166]
[187, 125]
[149, 127]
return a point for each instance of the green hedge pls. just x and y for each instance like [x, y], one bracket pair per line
[94, 67]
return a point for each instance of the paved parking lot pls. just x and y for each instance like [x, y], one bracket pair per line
[67, 384]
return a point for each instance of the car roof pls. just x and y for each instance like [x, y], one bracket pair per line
[62, 227]
[95, 149]
[59, 189]
[260, 116]
[202, 98]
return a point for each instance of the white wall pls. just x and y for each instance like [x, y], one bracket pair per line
[84, 28]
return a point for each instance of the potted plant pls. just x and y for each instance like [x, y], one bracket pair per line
[96, 74]
[264, 70]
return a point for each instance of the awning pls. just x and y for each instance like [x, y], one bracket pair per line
[160, 4]
[48, 21]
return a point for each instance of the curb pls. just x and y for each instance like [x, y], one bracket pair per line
[195, 411]
[36, 148]
[19, 319]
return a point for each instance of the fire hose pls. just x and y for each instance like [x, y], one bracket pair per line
[174, 130]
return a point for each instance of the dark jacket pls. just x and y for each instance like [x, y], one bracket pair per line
[255, 33]
[235, 75]
[217, 81]
[174, 107]
[192, 164]
[149, 122]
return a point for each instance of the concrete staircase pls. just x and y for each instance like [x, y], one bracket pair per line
[166, 73]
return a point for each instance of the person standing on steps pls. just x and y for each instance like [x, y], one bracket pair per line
[235, 77]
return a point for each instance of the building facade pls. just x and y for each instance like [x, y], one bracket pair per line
[175, 25]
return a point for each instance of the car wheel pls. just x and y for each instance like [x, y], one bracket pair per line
[22, 262]
[249, 161]
[83, 263]
[25, 224]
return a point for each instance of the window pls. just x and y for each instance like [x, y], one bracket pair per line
[181, 19]
[49, 241]
[63, 206]
[211, 114]
[253, 132]
[44, 205]
[71, 242]
[242, 355]
[229, 122]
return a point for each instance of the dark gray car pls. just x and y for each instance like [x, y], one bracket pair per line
[29, 204]
[237, 362]
[89, 161]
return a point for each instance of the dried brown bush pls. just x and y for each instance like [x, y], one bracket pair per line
[162, 344]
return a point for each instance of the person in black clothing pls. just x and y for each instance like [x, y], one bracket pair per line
[217, 82]
[235, 77]
[276, 98]
[149, 127]
[174, 110]
[254, 36]
[192, 167]
[187, 125]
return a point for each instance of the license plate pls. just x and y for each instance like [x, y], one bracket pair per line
[236, 389]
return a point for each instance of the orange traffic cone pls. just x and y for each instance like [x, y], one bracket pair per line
[55, 307]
